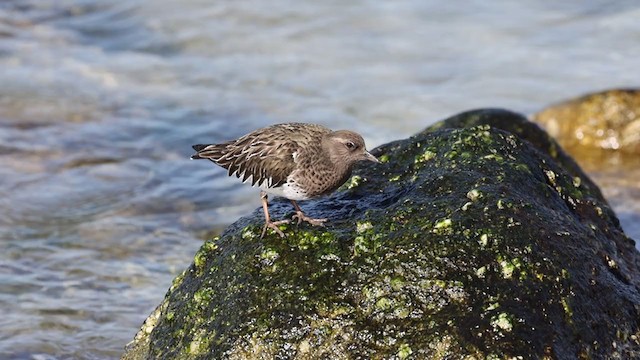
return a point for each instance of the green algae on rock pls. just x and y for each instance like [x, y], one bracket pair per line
[483, 246]
[520, 126]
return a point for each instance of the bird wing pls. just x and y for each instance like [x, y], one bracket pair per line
[265, 159]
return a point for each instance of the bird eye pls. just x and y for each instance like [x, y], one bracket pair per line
[350, 145]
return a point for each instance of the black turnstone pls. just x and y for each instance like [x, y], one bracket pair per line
[296, 161]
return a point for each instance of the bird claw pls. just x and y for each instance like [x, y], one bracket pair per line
[302, 217]
[274, 225]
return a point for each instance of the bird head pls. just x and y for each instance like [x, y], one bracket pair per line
[346, 146]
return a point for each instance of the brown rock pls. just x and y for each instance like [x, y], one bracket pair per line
[608, 120]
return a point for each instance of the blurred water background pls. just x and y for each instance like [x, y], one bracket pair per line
[100, 101]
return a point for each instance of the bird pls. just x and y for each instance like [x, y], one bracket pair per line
[297, 161]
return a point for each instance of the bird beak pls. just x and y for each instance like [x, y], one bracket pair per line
[368, 156]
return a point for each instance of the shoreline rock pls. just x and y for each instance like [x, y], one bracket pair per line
[607, 121]
[476, 238]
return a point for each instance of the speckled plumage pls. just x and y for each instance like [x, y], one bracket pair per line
[296, 160]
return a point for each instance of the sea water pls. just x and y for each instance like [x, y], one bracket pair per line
[100, 101]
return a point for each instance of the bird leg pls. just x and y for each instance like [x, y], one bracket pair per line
[302, 217]
[268, 223]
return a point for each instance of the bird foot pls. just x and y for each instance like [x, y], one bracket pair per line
[274, 225]
[302, 217]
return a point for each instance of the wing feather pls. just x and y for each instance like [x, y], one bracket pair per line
[267, 156]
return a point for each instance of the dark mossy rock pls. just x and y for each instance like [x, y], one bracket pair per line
[520, 126]
[464, 243]
[607, 120]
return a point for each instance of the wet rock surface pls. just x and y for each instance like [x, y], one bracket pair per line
[472, 239]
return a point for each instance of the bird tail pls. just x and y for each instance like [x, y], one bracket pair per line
[198, 148]
[211, 152]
